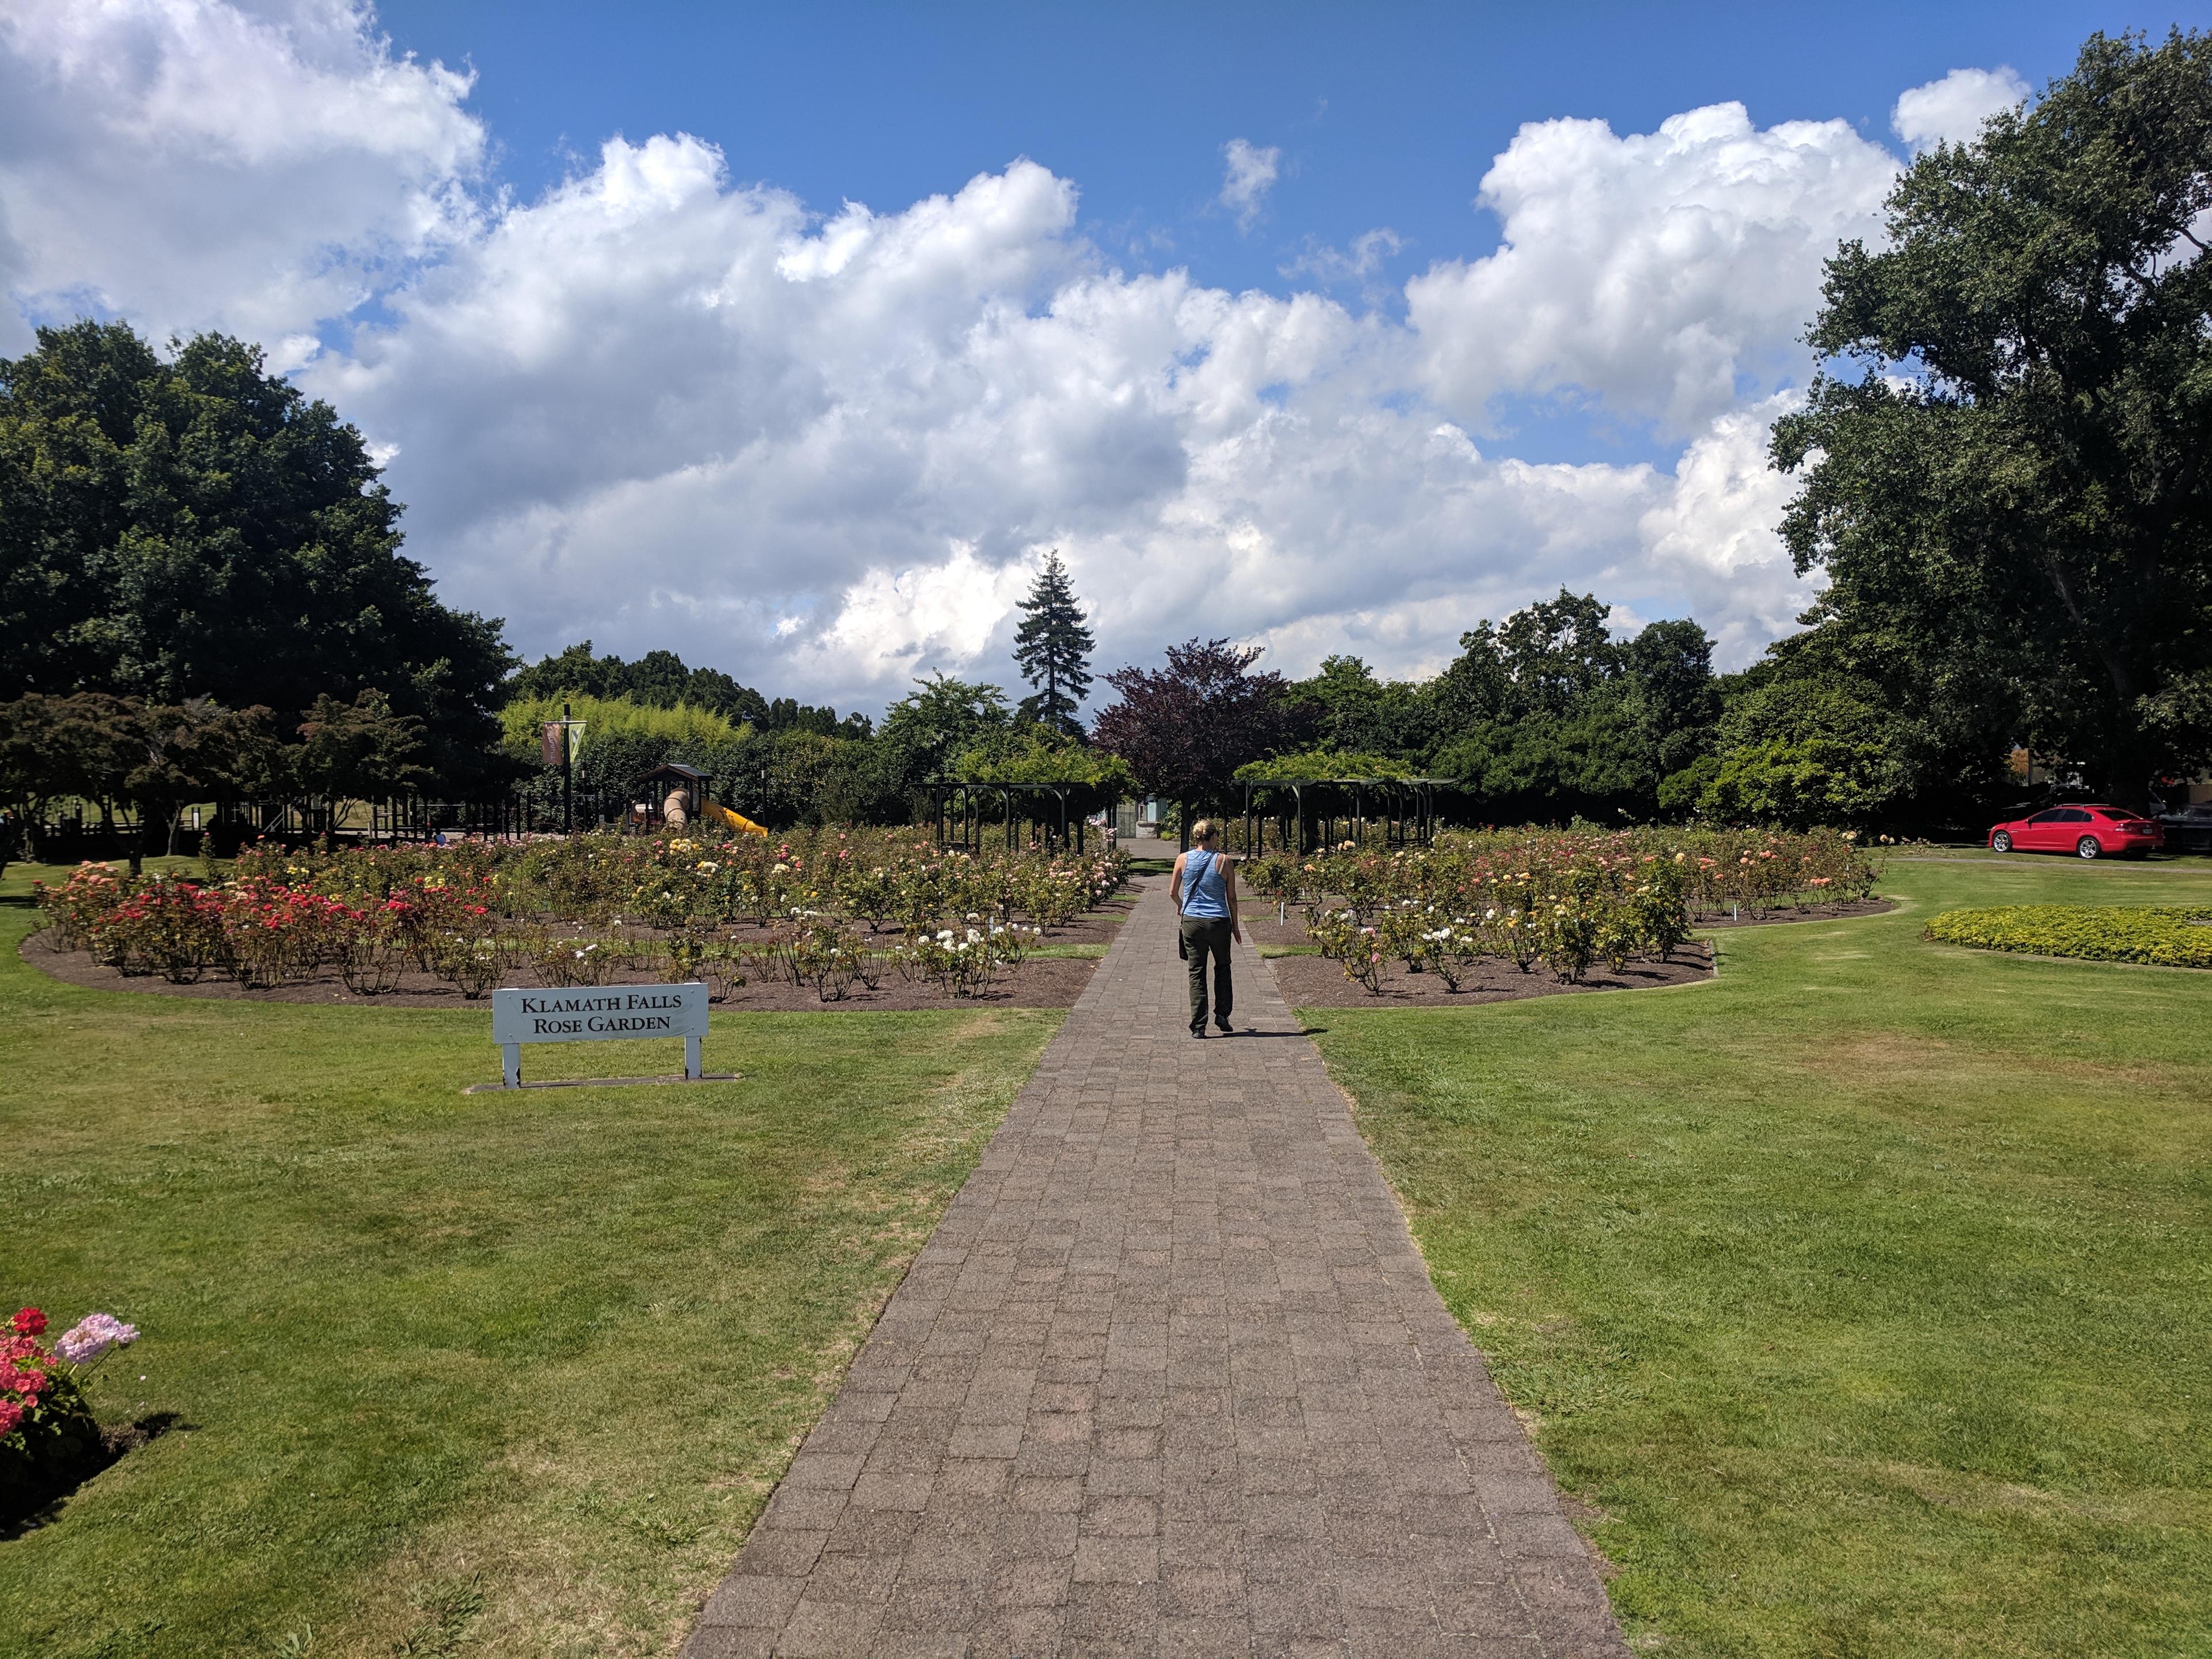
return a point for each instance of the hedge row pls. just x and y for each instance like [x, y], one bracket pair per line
[2167, 937]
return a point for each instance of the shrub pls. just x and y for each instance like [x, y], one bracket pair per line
[1345, 938]
[474, 912]
[1564, 898]
[2166, 937]
[961, 961]
[71, 910]
[48, 1439]
[1278, 877]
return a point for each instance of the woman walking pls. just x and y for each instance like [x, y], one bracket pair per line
[1204, 884]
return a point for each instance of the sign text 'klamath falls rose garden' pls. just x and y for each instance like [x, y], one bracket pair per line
[598, 1013]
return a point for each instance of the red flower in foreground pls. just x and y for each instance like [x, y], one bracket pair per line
[29, 1321]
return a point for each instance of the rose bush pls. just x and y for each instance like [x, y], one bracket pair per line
[590, 910]
[1565, 898]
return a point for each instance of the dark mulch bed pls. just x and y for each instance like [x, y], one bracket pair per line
[1040, 983]
[1260, 925]
[1317, 983]
[1314, 981]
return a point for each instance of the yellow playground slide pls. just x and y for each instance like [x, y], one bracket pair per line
[735, 820]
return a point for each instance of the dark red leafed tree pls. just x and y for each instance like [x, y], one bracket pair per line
[1184, 729]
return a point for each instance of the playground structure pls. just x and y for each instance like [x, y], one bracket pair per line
[718, 813]
[663, 782]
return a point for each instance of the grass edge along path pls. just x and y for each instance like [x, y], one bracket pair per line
[505, 1374]
[1865, 1292]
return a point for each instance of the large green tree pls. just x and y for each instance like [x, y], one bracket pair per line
[1801, 750]
[1344, 708]
[1547, 715]
[103, 748]
[659, 680]
[194, 526]
[2006, 463]
[926, 732]
[1052, 649]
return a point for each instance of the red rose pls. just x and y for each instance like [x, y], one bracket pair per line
[29, 1321]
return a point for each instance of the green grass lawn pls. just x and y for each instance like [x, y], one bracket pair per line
[494, 1373]
[1865, 1292]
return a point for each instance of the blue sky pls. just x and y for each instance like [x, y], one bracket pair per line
[1385, 115]
[1203, 298]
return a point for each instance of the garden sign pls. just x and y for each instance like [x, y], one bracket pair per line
[597, 1013]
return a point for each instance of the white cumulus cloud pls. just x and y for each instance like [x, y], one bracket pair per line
[1249, 172]
[1713, 532]
[1654, 274]
[657, 408]
[193, 165]
[1952, 110]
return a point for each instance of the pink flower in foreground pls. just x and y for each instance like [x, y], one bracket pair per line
[92, 1336]
[10, 1415]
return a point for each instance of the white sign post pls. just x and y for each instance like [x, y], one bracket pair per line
[598, 1013]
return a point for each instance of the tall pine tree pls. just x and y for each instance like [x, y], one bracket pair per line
[1053, 648]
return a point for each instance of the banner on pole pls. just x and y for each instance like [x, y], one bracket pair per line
[558, 741]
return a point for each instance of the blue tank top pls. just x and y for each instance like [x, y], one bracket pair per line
[1204, 893]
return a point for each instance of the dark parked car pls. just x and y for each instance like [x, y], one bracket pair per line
[2188, 829]
[2089, 832]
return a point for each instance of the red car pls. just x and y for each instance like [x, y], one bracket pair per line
[2089, 832]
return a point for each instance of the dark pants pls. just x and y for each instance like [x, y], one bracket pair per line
[1204, 937]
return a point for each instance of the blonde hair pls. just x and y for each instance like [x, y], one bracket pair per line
[1204, 830]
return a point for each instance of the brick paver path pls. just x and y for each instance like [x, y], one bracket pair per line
[1169, 1378]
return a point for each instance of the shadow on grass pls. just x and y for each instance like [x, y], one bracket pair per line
[26, 1508]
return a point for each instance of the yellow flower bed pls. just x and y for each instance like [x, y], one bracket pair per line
[2166, 937]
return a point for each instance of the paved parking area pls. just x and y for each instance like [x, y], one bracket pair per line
[1169, 1379]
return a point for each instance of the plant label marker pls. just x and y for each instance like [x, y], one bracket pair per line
[599, 1013]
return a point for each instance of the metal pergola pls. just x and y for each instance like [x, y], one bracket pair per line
[1305, 813]
[959, 806]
